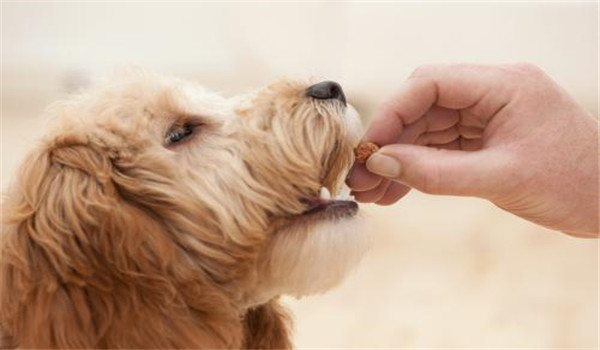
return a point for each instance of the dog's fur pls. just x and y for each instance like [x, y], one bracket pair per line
[112, 238]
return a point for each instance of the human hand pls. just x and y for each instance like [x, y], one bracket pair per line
[506, 133]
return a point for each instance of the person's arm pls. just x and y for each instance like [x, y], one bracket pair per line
[505, 133]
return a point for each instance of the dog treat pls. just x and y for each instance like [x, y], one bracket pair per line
[364, 151]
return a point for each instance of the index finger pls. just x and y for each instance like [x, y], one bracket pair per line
[458, 87]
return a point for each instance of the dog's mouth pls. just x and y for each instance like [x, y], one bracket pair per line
[327, 207]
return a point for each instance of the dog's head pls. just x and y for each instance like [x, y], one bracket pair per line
[152, 193]
[297, 146]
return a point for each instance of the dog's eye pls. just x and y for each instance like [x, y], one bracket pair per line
[178, 134]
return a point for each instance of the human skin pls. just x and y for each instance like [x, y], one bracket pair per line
[506, 133]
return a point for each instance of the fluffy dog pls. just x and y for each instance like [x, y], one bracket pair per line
[156, 214]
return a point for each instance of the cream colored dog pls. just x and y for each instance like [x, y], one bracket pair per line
[156, 214]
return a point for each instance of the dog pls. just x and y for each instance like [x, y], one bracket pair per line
[158, 214]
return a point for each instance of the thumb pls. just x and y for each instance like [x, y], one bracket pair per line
[438, 171]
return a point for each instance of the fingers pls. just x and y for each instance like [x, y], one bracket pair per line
[464, 86]
[454, 145]
[471, 144]
[440, 118]
[436, 119]
[472, 89]
[373, 194]
[446, 107]
[410, 103]
[386, 193]
[438, 171]
[393, 193]
[470, 132]
[360, 179]
[443, 170]
[438, 137]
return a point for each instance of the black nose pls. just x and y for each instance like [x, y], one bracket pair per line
[326, 90]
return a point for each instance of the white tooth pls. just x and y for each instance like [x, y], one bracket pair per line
[343, 194]
[324, 193]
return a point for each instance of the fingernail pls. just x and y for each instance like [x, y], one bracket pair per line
[383, 165]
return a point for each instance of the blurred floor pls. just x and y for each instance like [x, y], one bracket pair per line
[443, 272]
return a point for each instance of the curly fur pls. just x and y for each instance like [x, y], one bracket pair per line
[112, 239]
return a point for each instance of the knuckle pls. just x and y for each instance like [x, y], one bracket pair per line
[518, 73]
[525, 66]
[422, 70]
[528, 68]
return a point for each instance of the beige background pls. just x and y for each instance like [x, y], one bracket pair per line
[444, 272]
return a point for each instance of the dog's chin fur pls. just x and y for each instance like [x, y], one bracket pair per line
[113, 237]
[309, 258]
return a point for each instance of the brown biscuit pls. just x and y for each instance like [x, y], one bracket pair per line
[364, 151]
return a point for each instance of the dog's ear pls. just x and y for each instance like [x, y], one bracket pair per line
[85, 263]
[45, 249]
[267, 326]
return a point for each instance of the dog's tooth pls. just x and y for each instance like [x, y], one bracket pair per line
[343, 194]
[324, 193]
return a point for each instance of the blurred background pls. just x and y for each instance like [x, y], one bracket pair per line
[444, 272]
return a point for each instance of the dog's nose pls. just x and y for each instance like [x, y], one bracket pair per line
[326, 90]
